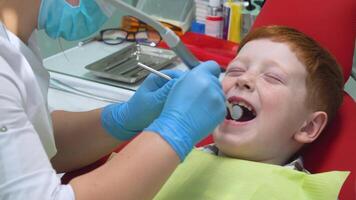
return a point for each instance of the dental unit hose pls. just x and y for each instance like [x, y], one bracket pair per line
[172, 40]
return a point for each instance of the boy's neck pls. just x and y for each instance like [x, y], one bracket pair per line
[274, 161]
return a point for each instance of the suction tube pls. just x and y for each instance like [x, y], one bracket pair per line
[172, 40]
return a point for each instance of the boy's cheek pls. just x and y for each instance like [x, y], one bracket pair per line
[226, 84]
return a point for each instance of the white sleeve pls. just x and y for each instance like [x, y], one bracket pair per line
[25, 170]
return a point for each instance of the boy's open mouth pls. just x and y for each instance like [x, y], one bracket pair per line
[239, 110]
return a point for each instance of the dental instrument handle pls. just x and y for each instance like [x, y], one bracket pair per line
[154, 71]
[187, 57]
[172, 40]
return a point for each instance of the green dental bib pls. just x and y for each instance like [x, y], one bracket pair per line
[208, 177]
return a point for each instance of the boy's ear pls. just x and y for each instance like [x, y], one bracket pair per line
[312, 127]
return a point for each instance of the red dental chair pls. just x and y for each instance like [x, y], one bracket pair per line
[333, 24]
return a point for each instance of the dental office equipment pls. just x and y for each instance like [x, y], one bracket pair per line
[173, 14]
[172, 40]
[138, 52]
[235, 111]
[122, 65]
[154, 71]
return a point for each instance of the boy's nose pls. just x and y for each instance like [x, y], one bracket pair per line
[245, 82]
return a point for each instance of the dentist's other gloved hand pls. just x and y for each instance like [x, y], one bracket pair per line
[194, 107]
[126, 120]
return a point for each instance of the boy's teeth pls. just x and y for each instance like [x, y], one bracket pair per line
[244, 105]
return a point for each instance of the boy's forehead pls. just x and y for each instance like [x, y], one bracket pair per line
[265, 48]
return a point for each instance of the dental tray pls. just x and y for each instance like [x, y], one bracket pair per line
[122, 65]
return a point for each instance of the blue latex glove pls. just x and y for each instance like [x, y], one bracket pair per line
[194, 107]
[126, 120]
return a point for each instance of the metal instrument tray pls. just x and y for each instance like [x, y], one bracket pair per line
[122, 65]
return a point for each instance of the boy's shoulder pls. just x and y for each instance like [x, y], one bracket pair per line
[295, 164]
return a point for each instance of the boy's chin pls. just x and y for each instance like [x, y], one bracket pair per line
[227, 140]
[230, 150]
[226, 126]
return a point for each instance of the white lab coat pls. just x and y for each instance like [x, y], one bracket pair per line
[26, 133]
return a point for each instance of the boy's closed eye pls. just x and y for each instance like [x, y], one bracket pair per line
[271, 77]
[235, 71]
[274, 78]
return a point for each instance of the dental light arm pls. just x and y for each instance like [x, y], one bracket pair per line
[172, 40]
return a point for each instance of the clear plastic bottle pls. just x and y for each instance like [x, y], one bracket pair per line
[214, 20]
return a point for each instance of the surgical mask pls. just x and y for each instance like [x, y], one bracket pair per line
[61, 19]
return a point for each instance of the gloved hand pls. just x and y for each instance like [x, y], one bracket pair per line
[125, 120]
[194, 107]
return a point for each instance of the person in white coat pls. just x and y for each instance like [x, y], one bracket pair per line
[35, 144]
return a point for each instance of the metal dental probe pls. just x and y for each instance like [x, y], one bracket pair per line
[154, 71]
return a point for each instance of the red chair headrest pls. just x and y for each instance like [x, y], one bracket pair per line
[332, 23]
[335, 148]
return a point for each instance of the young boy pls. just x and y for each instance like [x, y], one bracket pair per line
[289, 88]
[281, 91]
